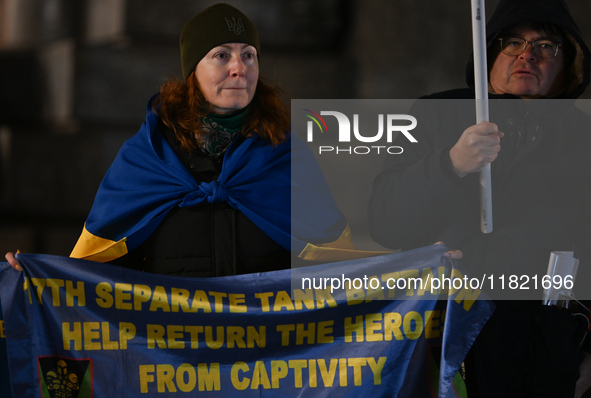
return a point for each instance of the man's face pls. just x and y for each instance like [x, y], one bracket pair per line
[527, 75]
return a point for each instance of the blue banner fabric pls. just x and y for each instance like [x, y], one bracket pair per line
[4, 376]
[80, 329]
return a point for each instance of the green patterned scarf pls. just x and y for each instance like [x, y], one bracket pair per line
[221, 131]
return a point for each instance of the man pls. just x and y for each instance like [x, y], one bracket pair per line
[537, 145]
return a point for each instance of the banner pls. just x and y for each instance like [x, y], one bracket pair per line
[4, 376]
[80, 329]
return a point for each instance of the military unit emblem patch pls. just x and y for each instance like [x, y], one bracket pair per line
[65, 377]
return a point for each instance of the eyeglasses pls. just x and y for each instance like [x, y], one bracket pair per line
[542, 48]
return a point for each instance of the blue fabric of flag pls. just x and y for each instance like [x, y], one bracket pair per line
[147, 180]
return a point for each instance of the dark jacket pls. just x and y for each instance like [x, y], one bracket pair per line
[538, 185]
[541, 195]
[206, 240]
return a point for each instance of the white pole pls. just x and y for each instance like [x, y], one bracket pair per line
[481, 86]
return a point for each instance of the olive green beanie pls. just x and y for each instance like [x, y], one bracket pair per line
[219, 24]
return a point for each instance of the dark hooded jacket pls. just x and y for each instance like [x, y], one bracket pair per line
[511, 12]
[541, 190]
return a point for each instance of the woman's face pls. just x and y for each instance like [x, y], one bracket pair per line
[228, 76]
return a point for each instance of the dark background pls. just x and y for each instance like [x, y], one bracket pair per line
[75, 77]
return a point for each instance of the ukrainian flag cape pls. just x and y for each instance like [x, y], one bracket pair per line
[147, 180]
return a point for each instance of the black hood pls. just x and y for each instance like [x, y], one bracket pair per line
[511, 12]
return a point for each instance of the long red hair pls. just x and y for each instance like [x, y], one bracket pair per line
[181, 106]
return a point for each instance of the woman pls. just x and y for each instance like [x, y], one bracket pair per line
[210, 193]
[206, 187]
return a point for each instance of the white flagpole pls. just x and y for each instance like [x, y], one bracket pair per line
[481, 85]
